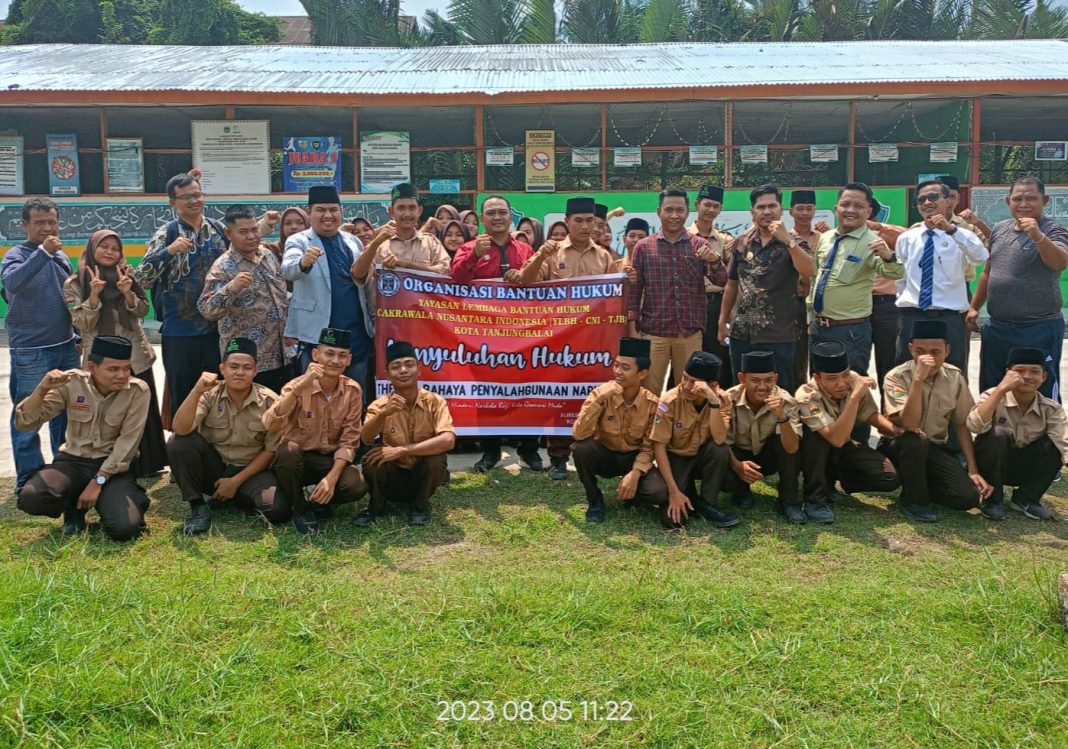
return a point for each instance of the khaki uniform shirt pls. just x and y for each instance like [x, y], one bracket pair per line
[817, 410]
[427, 418]
[620, 426]
[748, 429]
[319, 424]
[236, 430]
[679, 425]
[98, 426]
[87, 320]
[808, 241]
[718, 241]
[1044, 416]
[422, 248]
[567, 262]
[946, 398]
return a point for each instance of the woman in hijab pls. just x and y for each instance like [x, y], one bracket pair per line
[293, 221]
[532, 228]
[557, 232]
[452, 235]
[105, 299]
[363, 229]
[470, 220]
[446, 212]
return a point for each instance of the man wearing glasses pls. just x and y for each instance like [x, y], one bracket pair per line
[936, 255]
[175, 267]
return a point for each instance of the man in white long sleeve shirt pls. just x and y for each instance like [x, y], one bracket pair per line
[935, 255]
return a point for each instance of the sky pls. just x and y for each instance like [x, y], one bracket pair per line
[294, 8]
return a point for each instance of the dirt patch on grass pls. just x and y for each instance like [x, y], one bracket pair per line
[910, 544]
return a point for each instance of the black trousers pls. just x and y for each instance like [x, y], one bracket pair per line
[415, 485]
[275, 379]
[527, 445]
[957, 334]
[296, 468]
[196, 465]
[857, 466]
[185, 358]
[711, 465]
[772, 458]
[801, 355]
[55, 489]
[1031, 468]
[884, 324]
[710, 341]
[592, 459]
[930, 472]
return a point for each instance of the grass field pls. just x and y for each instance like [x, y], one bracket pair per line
[872, 632]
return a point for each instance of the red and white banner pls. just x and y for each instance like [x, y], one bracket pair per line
[511, 360]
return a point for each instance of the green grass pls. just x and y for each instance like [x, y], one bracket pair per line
[872, 632]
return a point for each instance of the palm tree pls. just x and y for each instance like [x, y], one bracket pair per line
[355, 23]
[1016, 19]
[594, 22]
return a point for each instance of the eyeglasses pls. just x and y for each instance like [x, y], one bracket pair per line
[192, 196]
[932, 198]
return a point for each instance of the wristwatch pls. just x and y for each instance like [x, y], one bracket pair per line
[100, 479]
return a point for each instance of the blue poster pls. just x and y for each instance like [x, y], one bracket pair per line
[64, 175]
[309, 160]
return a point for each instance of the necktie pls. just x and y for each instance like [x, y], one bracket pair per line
[825, 275]
[927, 271]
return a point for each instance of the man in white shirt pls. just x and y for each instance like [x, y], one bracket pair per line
[935, 255]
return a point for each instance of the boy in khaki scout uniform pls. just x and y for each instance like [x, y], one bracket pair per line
[414, 431]
[317, 418]
[1020, 437]
[689, 441]
[830, 406]
[612, 434]
[927, 397]
[220, 446]
[106, 412]
[764, 435]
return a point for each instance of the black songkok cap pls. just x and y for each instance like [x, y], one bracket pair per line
[829, 357]
[1027, 356]
[399, 350]
[758, 362]
[950, 181]
[639, 224]
[636, 347]
[710, 192]
[704, 366]
[335, 337]
[402, 191]
[240, 346]
[600, 210]
[112, 347]
[580, 205]
[802, 197]
[924, 329]
[325, 194]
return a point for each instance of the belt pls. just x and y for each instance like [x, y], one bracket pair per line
[931, 312]
[826, 322]
[883, 298]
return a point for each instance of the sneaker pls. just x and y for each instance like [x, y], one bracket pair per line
[993, 510]
[73, 522]
[1033, 510]
[595, 512]
[819, 512]
[744, 499]
[487, 462]
[323, 512]
[199, 520]
[794, 513]
[924, 513]
[419, 517]
[558, 472]
[719, 518]
[532, 461]
[306, 524]
[365, 519]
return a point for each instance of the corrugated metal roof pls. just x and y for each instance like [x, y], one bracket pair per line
[511, 69]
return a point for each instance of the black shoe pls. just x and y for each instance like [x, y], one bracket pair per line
[558, 472]
[595, 512]
[419, 517]
[744, 499]
[199, 520]
[719, 518]
[365, 519]
[837, 498]
[993, 510]
[323, 512]
[794, 513]
[1033, 510]
[307, 523]
[487, 462]
[666, 522]
[532, 461]
[924, 513]
[73, 522]
[819, 512]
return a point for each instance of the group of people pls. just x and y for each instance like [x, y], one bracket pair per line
[268, 351]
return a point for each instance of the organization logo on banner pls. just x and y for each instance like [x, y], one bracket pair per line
[388, 283]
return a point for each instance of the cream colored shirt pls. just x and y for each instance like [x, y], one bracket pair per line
[1044, 416]
[749, 429]
[946, 398]
[319, 424]
[236, 429]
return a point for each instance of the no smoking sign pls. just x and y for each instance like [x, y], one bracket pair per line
[540, 161]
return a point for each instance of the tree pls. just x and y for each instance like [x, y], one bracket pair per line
[355, 23]
[211, 23]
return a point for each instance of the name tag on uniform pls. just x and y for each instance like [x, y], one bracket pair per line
[852, 259]
[80, 406]
[678, 425]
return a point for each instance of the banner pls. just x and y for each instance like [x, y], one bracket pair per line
[754, 154]
[126, 165]
[878, 152]
[12, 163]
[385, 160]
[541, 161]
[511, 360]
[64, 176]
[234, 156]
[584, 158]
[627, 156]
[1051, 150]
[820, 153]
[500, 156]
[703, 155]
[944, 152]
[309, 160]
